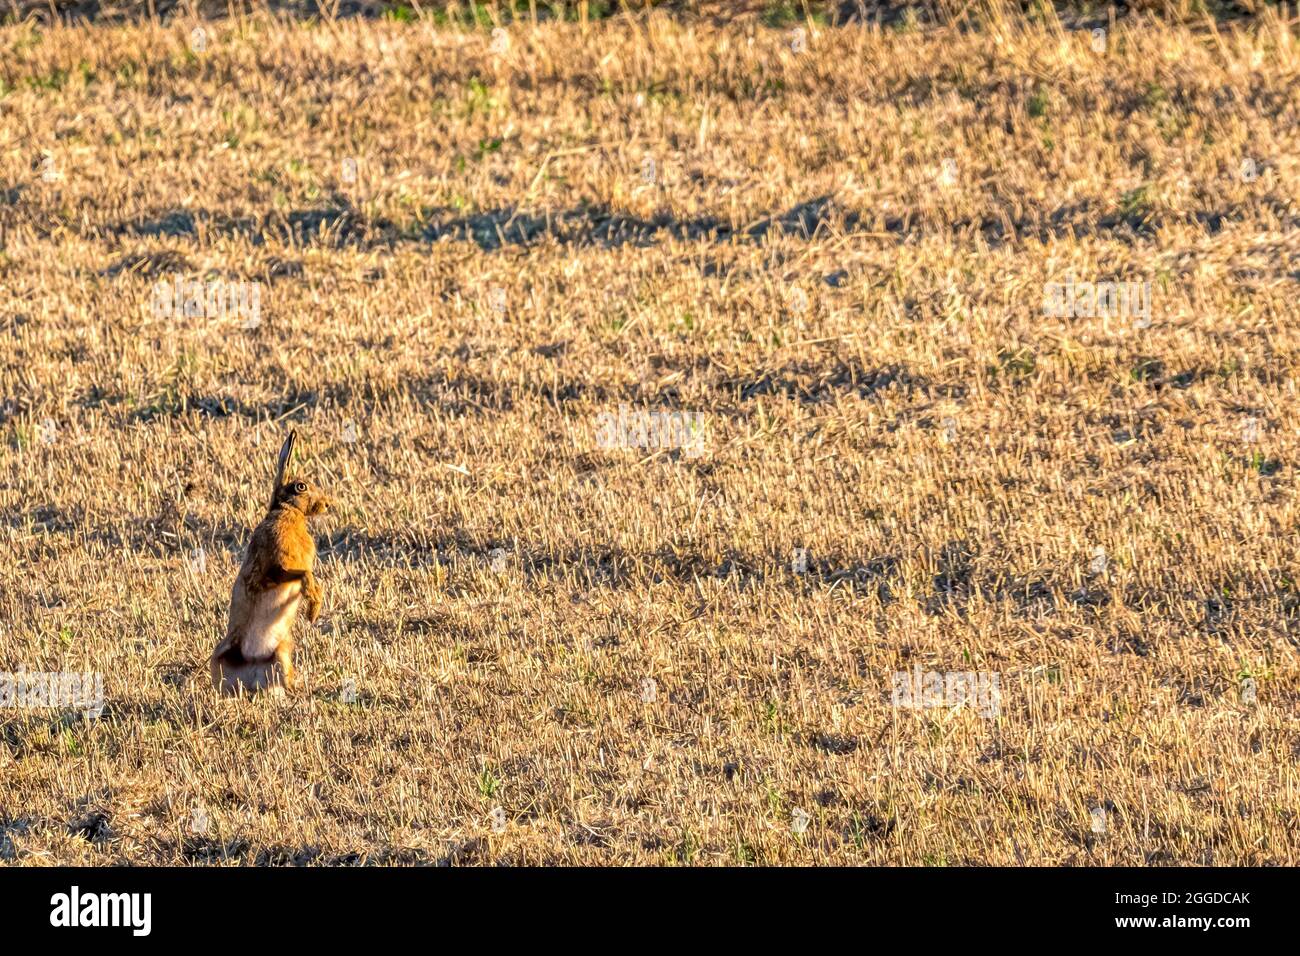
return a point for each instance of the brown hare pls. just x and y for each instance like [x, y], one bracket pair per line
[257, 651]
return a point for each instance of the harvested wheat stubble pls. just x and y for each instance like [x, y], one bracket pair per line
[466, 255]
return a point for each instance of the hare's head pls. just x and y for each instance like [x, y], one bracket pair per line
[303, 495]
[297, 493]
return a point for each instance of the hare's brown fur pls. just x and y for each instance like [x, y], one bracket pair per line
[276, 576]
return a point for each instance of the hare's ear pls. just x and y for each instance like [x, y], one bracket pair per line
[286, 451]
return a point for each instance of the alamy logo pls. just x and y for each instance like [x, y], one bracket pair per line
[39, 690]
[1094, 300]
[978, 690]
[74, 909]
[634, 428]
[218, 299]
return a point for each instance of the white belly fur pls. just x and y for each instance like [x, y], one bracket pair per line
[271, 621]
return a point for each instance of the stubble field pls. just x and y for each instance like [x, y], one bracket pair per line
[834, 245]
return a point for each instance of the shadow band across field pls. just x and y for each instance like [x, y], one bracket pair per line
[960, 579]
[597, 227]
[339, 224]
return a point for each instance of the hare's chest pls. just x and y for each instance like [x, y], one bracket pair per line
[271, 622]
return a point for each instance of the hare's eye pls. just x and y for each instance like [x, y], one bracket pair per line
[299, 487]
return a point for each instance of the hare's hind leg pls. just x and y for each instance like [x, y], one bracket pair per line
[226, 674]
[250, 676]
